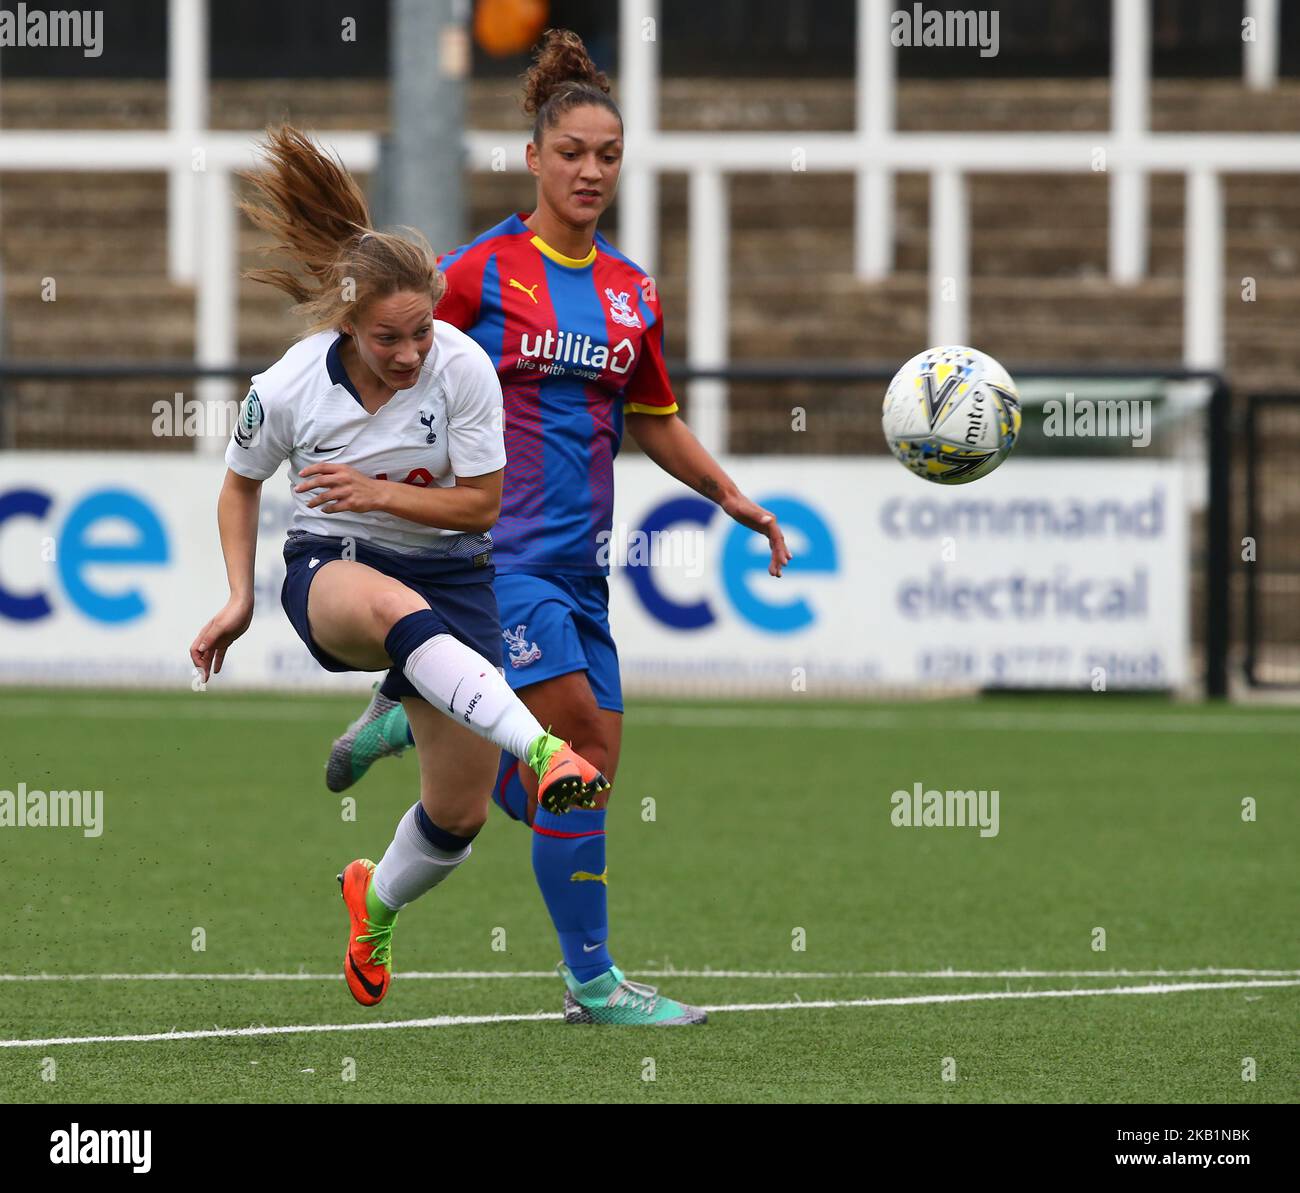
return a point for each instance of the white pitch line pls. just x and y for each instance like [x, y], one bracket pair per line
[970, 719]
[489, 974]
[994, 996]
[310, 707]
[222, 1033]
[538, 1016]
[199, 708]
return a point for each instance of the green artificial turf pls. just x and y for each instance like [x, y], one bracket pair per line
[742, 837]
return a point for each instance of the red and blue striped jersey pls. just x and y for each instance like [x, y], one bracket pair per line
[576, 344]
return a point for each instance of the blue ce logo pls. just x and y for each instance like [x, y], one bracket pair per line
[745, 557]
[81, 554]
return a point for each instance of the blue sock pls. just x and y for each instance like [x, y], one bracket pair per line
[566, 851]
[508, 792]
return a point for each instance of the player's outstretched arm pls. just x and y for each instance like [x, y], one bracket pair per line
[237, 508]
[669, 442]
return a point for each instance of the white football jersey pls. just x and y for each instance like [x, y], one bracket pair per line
[303, 409]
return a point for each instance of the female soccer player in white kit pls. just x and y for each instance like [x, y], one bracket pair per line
[391, 422]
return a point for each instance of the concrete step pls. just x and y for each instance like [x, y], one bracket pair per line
[1024, 252]
[44, 201]
[161, 334]
[166, 341]
[106, 415]
[93, 298]
[1257, 250]
[720, 105]
[92, 257]
[67, 189]
[35, 194]
[68, 217]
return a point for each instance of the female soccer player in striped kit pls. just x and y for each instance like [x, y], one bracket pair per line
[391, 421]
[576, 333]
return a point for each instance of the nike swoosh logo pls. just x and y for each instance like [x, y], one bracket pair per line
[591, 948]
[312, 564]
[370, 988]
[318, 448]
[452, 706]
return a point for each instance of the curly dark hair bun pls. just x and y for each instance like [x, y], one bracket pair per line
[562, 77]
[560, 58]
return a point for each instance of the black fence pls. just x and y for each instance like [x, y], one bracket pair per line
[749, 38]
[1270, 543]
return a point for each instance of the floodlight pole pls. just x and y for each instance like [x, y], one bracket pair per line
[424, 160]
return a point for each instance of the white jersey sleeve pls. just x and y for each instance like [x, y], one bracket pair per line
[263, 435]
[476, 437]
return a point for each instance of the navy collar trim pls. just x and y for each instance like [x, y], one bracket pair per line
[338, 374]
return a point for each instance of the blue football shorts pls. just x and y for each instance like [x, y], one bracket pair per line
[553, 625]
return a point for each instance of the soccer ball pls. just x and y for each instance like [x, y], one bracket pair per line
[951, 414]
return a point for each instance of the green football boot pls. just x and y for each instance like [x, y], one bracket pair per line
[379, 732]
[611, 998]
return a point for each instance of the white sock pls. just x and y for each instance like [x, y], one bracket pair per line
[412, 864]
[461, 684]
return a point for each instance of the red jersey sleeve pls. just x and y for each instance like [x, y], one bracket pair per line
[648, 391]
[459, 304]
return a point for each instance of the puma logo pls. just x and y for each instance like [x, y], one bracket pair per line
[526, 289]
[587, 876]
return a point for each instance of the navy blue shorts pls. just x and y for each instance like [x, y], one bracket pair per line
[557, 624]
[459, 592]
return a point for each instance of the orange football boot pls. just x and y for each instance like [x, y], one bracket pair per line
[565, 779]
[368, 962]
